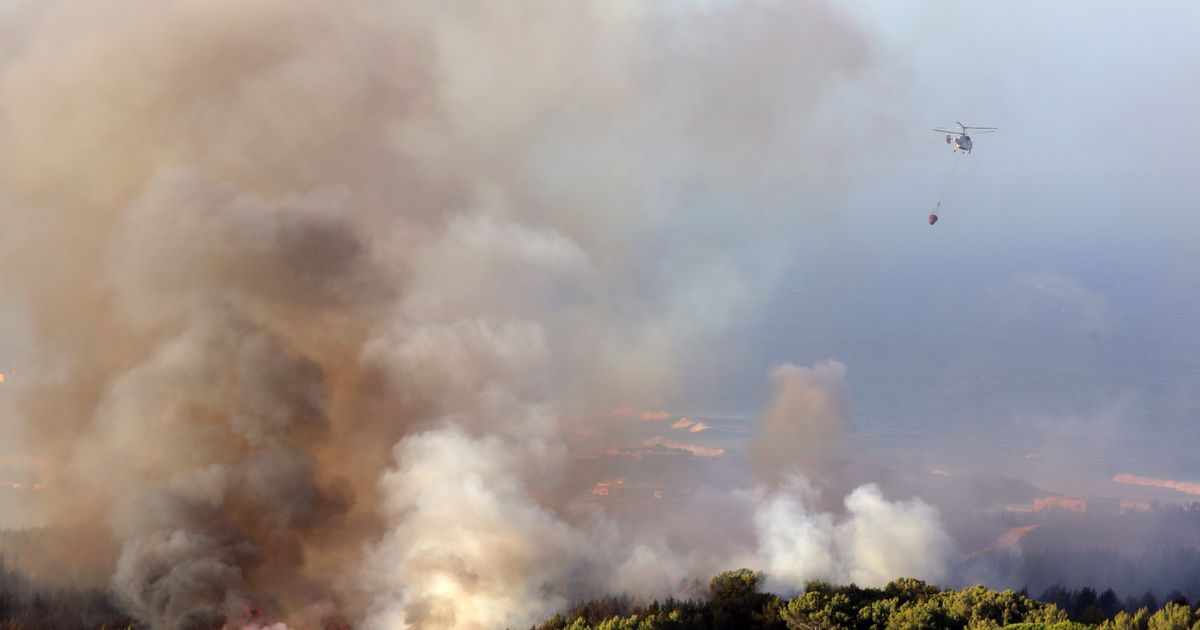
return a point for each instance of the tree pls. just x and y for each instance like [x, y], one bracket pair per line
[1085, 597]
[1172, 616]
[918, 616]
[1109, 603]
[821, 608]
[735, 600]
[910, 589]
[1124, 621]
[1058, 596]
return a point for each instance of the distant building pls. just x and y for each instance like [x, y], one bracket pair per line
[621, 489]
[1129, 505]
[605, 488]
[1064, 504]
[1096, 506]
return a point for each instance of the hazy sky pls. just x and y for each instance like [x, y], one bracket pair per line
[1057, 297]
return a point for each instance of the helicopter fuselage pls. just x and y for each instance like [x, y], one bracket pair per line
[961, 142]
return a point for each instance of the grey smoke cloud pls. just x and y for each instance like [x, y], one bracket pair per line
[216, 426]
[326, 285]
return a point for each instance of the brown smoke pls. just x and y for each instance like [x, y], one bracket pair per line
[803, 430]
[314, 284]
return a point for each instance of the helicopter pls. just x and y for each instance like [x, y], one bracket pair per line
[960, 140]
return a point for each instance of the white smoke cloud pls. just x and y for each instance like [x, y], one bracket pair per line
[874, 542]
[471, 548]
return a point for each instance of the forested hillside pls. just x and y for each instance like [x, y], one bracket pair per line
[736, 600]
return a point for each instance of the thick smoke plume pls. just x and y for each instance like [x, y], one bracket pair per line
[318, 289]
[803, 435]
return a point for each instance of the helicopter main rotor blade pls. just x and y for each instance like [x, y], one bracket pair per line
[986, 130]
[958, 133]
[993, 128]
